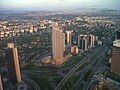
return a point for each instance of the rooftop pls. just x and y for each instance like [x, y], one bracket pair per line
[116, 43]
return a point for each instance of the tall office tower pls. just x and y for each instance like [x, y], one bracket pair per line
[1, 83]
[82, 42]
[80, 37]
[115, 59]
[63, 42]
[13, 63]
[57, 43]
[69, 34]
[91, 40]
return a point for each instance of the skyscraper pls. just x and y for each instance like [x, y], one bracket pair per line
[1, 84]
[115, 59]
[64, 42]
[91, 40]
[57, 43]
[80, 37]
[69, 35]
[82, 42]
[13, 63]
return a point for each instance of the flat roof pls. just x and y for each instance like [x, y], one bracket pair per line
[116, 43]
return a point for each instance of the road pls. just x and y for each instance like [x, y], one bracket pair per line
[96, 64]
[88, 55]
[66, 77]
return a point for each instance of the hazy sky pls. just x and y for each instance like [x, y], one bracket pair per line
[58, 4]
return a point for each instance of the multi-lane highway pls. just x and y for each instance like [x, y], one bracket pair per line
[95, 54]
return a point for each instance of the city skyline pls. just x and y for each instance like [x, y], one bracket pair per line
[59, 44]
[58, 4]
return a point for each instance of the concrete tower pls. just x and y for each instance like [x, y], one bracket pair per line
[1, 84]
[91, 40]
[13, 63]
[115, 59]
[64, 42]
[82, 42]
[57, 43]
[69, 37]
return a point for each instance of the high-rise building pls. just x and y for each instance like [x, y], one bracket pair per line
[57, 43]
[1, 83]
[115, 59]
[80, 37]
[13, 63]
[91, 40]
[82, 42]
[69, 37]
[64, 42]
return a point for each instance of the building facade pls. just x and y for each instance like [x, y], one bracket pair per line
[91, 40]
[74, 50]
[13, 63]
[82, 42]
[57, 43]
[68, 38]
[1, 83]
[115, 59]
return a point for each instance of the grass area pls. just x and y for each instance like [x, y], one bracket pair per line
[46, 68]
[56, 80]
[44, 71]
[81, 86]
[70, 83]
[51, 74]
[30, 66]
[88, 76]
[42, 82]
[74, 60]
